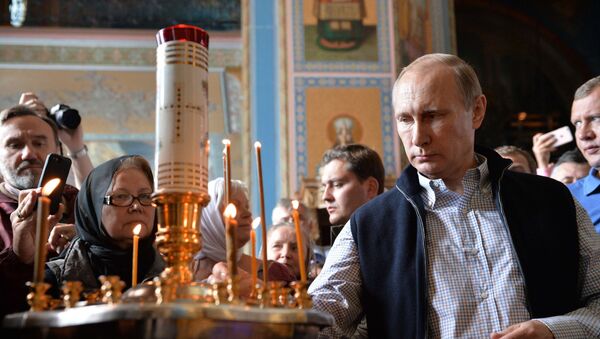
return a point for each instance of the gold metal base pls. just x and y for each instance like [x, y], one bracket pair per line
[37, 298]
[178, 239]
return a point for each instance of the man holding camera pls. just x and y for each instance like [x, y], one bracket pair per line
[70, 133]
[26, 139]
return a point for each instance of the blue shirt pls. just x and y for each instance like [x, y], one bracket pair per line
[587, 192]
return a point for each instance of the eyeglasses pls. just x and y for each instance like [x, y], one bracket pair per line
[126, 199]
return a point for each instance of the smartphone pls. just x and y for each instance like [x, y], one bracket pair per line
[563, 136]
[56, 166]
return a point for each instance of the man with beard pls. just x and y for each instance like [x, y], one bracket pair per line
[25, 141]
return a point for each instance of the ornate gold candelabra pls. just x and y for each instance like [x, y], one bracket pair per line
[178, 239]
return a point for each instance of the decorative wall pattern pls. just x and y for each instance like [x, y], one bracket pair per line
[339, 82]
[113, 85]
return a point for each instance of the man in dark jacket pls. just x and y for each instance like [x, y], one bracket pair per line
[25, 141]
[461, 247]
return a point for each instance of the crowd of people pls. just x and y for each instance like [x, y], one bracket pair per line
[470, 242]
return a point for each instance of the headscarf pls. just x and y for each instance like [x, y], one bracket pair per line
[212, 227]
[105, 256]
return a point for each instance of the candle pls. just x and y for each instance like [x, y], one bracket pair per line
[136, 240]
[227, 163]
[257, 147]
[41, 230]
[226, 189]
[255, 224]
[301, 262]
[230, 223]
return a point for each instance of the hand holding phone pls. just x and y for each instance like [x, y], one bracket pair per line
[56, 166]
[563, 136]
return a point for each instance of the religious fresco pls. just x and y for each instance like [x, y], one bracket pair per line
[341, 35]
[331, 111]
[414, 29]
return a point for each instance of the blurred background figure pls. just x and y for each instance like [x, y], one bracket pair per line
[570, 167]
[70, 134]
[282, 247]
[522, 161]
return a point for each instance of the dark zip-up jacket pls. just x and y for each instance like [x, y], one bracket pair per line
[389, 232]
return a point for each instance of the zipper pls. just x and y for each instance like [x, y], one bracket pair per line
[422, 228]
[512, 245]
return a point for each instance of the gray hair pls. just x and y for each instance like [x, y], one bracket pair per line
[587, 88]
[464, 74]
[307, 242]
[219, 193]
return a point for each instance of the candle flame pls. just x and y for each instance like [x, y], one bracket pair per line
[255, 222]
[295, 204]
[257, 144]
[50, 186]
[137, 229]
[230, 211]
[226, 142]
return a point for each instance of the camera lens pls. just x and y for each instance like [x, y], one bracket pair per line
[65, 116]
[68, 118]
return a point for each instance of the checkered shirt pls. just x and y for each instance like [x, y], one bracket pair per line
[475, 284]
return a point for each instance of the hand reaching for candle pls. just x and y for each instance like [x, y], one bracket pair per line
[60, 237]
[23, 225]
[23, 221]
[220, 273]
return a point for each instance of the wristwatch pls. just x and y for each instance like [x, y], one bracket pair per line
[75, 155]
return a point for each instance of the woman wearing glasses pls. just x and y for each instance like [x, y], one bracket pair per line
[113, 200]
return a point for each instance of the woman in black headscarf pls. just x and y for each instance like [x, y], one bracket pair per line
[115, 197]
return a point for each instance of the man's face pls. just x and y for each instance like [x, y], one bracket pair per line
[569, 172]
[520, 163]
[436, 129]
[585, 116]
[25, 143]
[343, 193]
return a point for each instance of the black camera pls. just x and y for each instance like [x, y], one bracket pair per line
[65, 117]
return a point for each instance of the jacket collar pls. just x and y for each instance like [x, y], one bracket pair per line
[408, 181]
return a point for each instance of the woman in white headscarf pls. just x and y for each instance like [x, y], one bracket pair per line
[213, 234]
[213, 227]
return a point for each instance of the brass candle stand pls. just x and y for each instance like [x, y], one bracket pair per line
[71, 293]
[37, 299]
[178, 239]
[301, 298]
[111, 288]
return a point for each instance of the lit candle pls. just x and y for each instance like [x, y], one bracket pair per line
[227, 164]
[255, 224]
[136, 240]
[257, 147]
[41, 230]
[301, 262]
[229, 216]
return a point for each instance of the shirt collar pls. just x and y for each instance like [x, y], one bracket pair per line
[479, 174]
[591, 183]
